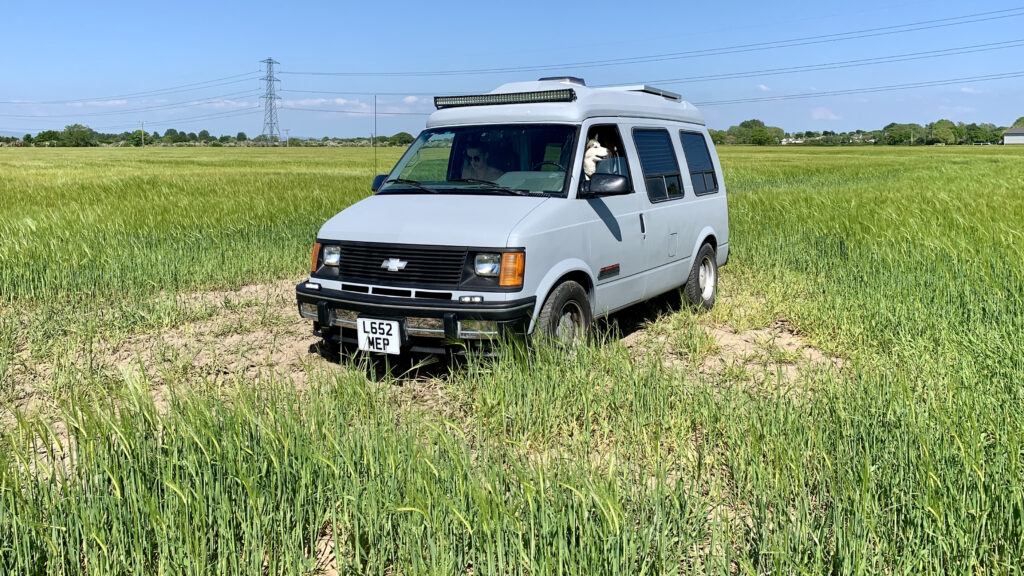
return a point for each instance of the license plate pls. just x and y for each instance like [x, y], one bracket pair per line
[380, 335]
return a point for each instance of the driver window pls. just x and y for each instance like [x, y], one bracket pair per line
[604, 153]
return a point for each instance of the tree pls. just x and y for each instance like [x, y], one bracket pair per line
[942, 132]
[241, 137]
[1019, 123]
[136, 138]
[760, 136]
[402, 139]
[27, 139]
[48, 137]
[78, 135]
[204, 135]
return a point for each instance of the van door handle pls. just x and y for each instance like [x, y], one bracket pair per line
[643, 227]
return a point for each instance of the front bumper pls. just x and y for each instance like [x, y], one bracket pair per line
[432, 326]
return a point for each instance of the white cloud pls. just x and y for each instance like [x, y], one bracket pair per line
[98, 103]
[763, 88]
[822, 113]
[410, 99]
[340, 101]
[311, 102]
[969, 90]
[229, 104]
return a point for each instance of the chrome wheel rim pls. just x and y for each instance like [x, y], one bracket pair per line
[707, 278]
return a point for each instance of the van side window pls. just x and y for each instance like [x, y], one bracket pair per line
[698, 158]
[658, 159]
[614, 160]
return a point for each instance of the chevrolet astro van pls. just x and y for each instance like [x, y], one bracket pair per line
[530, 210]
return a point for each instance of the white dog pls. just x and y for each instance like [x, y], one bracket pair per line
[594, 153]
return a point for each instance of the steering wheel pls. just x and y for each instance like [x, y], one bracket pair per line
[540, 165]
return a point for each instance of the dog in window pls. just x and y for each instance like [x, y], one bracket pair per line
[593, 154]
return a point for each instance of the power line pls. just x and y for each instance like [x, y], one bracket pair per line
[231, 114]
[167, 106]
[759, 46]
[361, 93]
[839, 65]
[157, 92]
[360, 112]
[888, 88]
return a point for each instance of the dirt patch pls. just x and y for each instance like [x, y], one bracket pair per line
[777, 354]
[250, 334]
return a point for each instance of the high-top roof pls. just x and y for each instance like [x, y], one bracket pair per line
[1014, 131]
[625, 101]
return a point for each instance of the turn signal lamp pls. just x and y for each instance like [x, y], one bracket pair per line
[513, 265]
[314, 256]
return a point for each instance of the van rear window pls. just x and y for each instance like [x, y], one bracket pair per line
[698, 158]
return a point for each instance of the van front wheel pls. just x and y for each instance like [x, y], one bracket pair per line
[702, 285]
[566, 316]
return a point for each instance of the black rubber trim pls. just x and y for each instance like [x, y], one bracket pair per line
[416, 307]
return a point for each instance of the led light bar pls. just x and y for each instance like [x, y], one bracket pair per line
[564, 95]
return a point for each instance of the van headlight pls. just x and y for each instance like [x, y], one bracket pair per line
[507, 267]
[332, 255]
[488, 265]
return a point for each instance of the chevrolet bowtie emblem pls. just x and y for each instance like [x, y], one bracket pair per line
[393, 264]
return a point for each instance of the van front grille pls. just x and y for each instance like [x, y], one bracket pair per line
[402, 264]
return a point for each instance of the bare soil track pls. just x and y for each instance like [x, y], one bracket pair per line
[255, 333]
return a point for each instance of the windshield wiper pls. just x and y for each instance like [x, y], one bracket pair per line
[493, 186]
[412, 183]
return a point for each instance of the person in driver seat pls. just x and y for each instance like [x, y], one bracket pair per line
[477, 164]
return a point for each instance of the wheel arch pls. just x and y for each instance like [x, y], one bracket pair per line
[706, 236]
[572, 269]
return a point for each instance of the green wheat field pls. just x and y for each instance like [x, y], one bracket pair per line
[853, 405]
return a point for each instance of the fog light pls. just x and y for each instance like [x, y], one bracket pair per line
[471, 299]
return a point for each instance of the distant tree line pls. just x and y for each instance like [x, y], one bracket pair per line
[940, 132]
[756, 132]
[77, 135]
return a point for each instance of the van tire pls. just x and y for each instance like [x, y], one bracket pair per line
[702, 284]
[566, 317]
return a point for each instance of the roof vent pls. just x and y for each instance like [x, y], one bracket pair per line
[651, 90]
[570, 79]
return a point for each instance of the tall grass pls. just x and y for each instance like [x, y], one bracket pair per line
[910, 460]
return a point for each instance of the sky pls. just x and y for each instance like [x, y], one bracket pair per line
[801, 65]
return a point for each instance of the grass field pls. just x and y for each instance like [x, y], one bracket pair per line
[898, 447]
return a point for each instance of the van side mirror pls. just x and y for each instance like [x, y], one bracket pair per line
[607, 185]
[378, 181]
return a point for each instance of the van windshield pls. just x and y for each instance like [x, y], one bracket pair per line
[514, 159]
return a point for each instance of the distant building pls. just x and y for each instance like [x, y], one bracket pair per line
[1013, 136]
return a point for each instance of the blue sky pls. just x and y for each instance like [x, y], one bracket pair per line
[196, 65]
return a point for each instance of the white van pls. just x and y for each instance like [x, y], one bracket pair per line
[532, 209]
